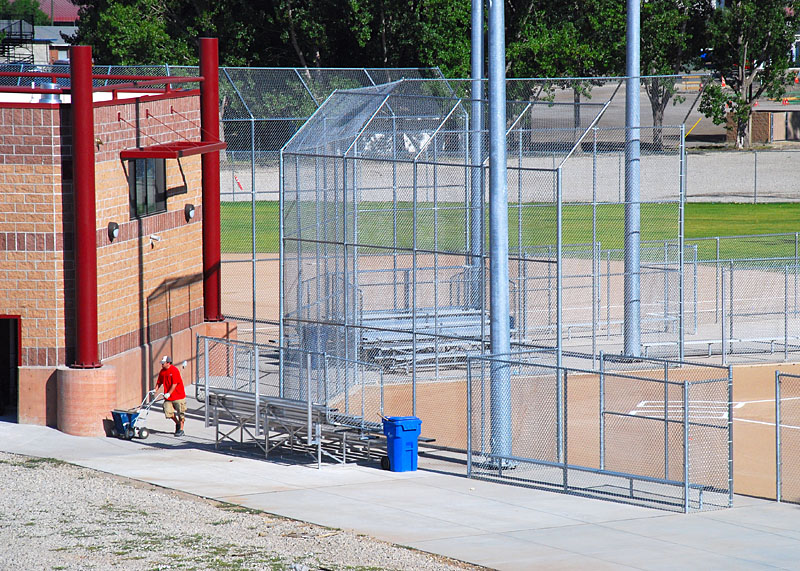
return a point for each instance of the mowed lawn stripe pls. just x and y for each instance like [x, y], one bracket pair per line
[537, 224]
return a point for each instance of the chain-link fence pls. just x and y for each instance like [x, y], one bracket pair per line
[642, 431]
[756, 176]
[787, 436]
[758, 310]
[354, 394]
[383, 224]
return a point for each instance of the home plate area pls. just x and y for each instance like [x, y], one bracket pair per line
[709, 410]
[698, 410]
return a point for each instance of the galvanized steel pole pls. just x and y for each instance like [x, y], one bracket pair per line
[632, 317]
[476, 131]
[476, 157]
[498, 235]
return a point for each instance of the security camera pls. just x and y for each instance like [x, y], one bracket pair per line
[155, 237]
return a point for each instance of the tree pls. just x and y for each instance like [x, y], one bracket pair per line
[672, 37]
[749, 43]
[166, 31]
[573, 39]
[24, 10]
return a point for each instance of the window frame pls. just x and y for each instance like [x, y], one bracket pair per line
[147, 187]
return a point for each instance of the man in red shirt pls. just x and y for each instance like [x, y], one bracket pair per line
[174, 395]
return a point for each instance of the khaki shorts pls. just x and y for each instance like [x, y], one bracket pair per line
[173, 406]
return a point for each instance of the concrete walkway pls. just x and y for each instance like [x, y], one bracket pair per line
[495, 525]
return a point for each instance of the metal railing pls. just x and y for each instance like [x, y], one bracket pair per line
[352, 392]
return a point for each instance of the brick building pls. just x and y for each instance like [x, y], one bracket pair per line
[104, 263]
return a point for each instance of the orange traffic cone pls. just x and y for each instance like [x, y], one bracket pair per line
[784, 101]
[723, 81]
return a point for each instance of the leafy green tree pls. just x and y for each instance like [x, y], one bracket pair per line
[24, 10]
[749, 42]
[548, 38]
[672, 38]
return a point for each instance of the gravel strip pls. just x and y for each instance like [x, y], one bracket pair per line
[55, 515]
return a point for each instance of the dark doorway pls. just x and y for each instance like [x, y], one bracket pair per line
[9, 363]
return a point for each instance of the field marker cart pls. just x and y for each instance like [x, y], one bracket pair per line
[133, 422]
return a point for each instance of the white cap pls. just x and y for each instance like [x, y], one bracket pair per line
[166, 359]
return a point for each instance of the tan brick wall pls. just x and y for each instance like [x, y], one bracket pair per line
[146, 289]
[31, 234]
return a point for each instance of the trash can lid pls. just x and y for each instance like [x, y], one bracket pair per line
[402, 418]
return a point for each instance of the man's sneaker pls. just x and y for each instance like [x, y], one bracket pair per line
[179, 433]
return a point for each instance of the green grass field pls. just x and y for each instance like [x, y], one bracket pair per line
[658, 222]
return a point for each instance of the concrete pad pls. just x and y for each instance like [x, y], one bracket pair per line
[487, 523]
[474, 511]
[324, 508]
[626, 549]
[502, 551]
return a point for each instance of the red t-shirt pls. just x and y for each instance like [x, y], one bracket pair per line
[172, 378]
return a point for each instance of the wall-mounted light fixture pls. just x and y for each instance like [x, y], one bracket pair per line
[188, 212]
[113, 231]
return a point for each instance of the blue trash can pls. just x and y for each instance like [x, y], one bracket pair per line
[402, 433]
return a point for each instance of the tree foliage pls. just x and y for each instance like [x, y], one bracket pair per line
[24, 10]
[673, 37]
[749, 43]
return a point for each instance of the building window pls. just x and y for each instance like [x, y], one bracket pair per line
[148, 186]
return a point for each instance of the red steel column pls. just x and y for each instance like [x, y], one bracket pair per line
[83, 184]
[209, 121]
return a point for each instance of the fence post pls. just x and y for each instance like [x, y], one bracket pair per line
[197, 367]
[666, 287]
[666, 421]
[565, 430]
[685, 447]
[595, 252]
[730, 437]
[778, 466]
[205, 370]
[608, 294]
[308, 399]
[469, 416]
[325, 382]
[235, 368]
[730, 303]
[694, 290]
[755, 177]
[723, 348]
[786, 314]
[258, 390]
[717, 285]
[602, 411]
